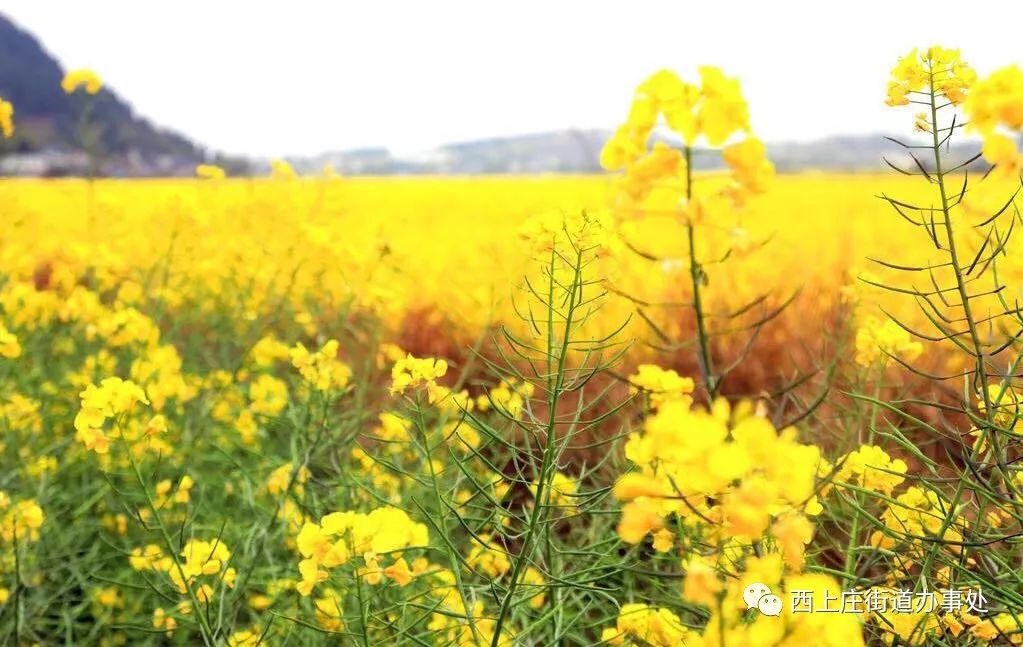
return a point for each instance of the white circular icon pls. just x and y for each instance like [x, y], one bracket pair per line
[751, 594]
[770, 605]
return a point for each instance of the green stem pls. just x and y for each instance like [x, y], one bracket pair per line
[851, 555]
[292, 479]
[441, 508]
[556, 382]
[363, 609]
[981, 368]
[696, 279]
[204, 628]
[980, 376]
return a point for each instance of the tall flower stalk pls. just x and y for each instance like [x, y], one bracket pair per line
[670, 122]
[960, 294]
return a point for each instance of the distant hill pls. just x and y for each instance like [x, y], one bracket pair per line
[575, 151]
[562, 151]
[853, 153]
[46, 118]
[578, 151]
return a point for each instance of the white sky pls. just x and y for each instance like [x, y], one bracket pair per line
[302, 77]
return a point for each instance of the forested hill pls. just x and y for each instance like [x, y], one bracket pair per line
[46, 118]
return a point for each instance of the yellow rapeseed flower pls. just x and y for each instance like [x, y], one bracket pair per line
[877, 339]
[412, 372]
[210, 172]
[6, 119]
[322, 369]
[9, 346]
[81, 78]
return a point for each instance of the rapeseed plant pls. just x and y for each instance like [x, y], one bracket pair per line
[658, 182]
[956, 512]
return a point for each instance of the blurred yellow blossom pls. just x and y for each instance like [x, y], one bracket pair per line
[81, 78]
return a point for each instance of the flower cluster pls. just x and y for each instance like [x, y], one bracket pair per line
[1006, 403]
[19, 522]
[342, 536]
[198, 572]
[203, 558]
[995, 109]
[661, 385]
[210, 172]
[158, 370]
[915, 516]
[729, 475]
[267, 351]
[19, 527]
[561, 230]
[112, 398]
[647, 625]
[413, 372]
[81, 78]
[658, 180]
[6, 119]
[282, 170]
[715, 109]
[321, 370]
[9, 346]
[563, 491]
[937, 68]
[871, 468]
[510, 396]
[287, 477]
[877, 340]
[729, 623]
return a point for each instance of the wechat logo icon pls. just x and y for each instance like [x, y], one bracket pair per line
[758, 596]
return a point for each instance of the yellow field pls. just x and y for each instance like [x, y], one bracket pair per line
[196, 288]
[656, 408]
[449, 247]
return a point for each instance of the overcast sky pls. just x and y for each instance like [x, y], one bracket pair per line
[301, 77]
